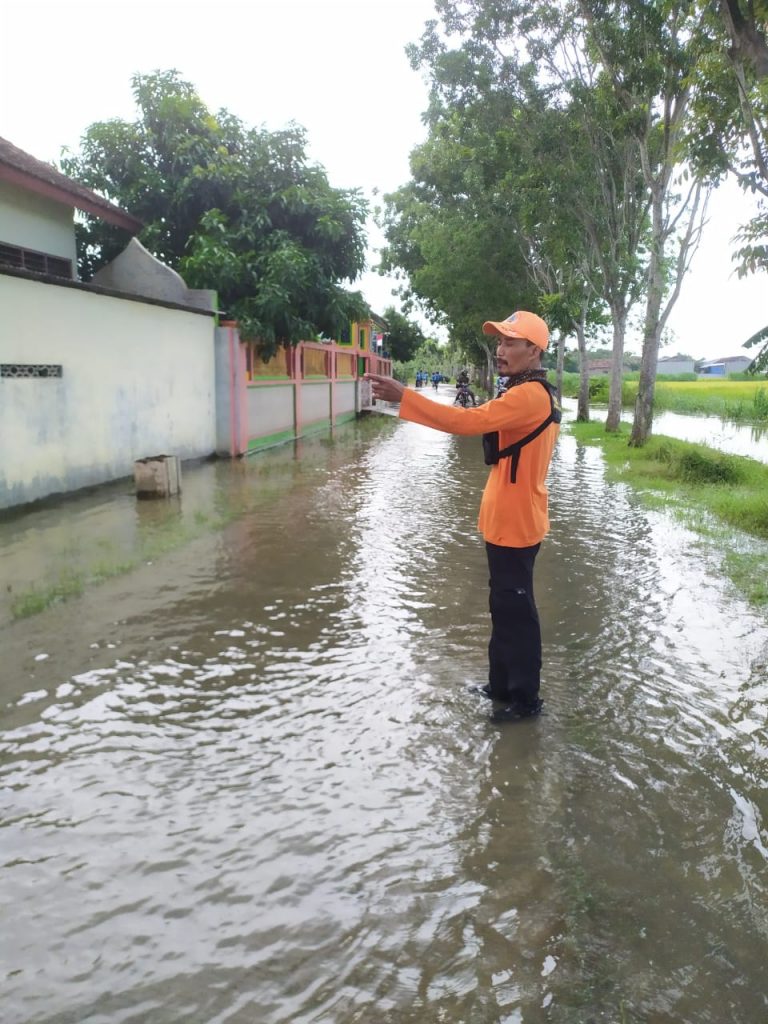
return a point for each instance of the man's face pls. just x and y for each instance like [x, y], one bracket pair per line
[514, 355]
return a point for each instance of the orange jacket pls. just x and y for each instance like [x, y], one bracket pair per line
[513, 515]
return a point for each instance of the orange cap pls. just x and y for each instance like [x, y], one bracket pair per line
[520, 325]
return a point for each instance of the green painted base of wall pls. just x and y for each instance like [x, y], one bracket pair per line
[257, 444]
[313, 428]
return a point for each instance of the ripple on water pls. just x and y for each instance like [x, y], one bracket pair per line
[295, 811]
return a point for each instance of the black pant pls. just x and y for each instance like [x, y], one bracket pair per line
[514, 651]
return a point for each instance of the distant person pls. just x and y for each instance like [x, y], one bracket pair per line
[520, 428]
[463, 388]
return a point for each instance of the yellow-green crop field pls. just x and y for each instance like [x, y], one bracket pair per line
[740, 400]
[731, 390]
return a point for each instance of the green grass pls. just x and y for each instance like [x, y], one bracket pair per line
[713, 493]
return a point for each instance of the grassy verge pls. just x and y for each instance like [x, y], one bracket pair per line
[713, 493]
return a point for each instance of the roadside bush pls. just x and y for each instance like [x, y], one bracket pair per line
[698, 467]
[760, 402]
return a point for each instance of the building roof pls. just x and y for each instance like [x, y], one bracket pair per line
[26, 171]
[727, 359]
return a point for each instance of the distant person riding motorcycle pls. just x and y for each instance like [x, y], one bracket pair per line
[463, 391]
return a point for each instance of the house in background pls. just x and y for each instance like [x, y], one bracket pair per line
[603, 367]
[675, 364]
[722, 367]
[92, 376]
[36, 214]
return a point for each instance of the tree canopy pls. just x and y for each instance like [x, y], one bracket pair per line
[234, 208]
[404, 336]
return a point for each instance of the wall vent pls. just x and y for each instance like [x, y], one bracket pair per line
[20, 371]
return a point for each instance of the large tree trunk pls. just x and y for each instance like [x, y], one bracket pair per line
[560, 364]
[582, 406]
[658, 281]
[749, 39]
[643, 421]
[613, 418]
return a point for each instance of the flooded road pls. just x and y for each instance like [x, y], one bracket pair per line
[248, 784]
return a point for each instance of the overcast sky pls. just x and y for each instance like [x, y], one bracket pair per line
[337, 67]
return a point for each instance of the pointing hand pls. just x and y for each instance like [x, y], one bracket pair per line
[385, 388]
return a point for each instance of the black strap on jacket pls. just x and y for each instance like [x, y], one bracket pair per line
[512, 452]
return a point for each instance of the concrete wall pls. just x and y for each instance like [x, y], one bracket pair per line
[345, 397]
[34, 222]
[674, 366]
[138, 380]
[260, 404]
[231, 414]
[316, 402]
[270, 409]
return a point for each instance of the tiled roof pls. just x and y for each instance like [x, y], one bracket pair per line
[22, 169]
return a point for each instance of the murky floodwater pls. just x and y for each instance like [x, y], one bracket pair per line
[248, 783]
[732, 438]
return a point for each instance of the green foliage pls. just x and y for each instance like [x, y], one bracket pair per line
[761, 359]
[728, 127]
[403, 335]
[430, 357]
[707, 467]
[238, 209]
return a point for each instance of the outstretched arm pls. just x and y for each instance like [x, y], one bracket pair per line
[385, 388]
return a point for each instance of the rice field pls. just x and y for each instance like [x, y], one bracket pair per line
[744, 401]
[741, 401]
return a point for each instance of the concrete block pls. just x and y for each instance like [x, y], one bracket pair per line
[158, 476]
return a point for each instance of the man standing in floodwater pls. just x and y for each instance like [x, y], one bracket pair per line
[520, 428]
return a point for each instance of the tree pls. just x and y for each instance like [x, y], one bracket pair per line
[403, 337]
[455, 262]
[467, 233]
[729, 127]
[553, 158]
[238, 209]
[648, 52]
[623, 70]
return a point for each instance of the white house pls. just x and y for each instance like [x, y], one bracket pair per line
[675, 364]
[92, 376]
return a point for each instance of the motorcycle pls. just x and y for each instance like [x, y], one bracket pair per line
[463, 396]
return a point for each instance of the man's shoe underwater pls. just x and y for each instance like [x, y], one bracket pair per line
[517, 711]
[484, 691]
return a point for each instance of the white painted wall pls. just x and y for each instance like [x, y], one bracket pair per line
[345, 397]
[270, 409]
[315, 402]
[34, 222]
[138, 380]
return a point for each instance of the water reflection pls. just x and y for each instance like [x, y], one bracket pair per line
[733, 438]
[274, 797]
